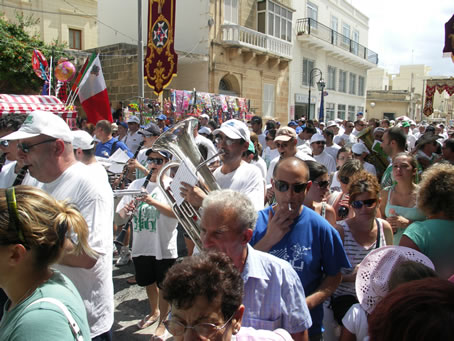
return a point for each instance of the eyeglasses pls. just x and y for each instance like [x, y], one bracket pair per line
[14, 222]
[157, 161]
[361, 125]
[26, 147]
[283, 186]
[205, 330]
[320, 142]
[269, 138]
[342, 212]
[322, 184]
[357, 155]
[226, 140]
[360, 203]
[344, 179]
[4, 143]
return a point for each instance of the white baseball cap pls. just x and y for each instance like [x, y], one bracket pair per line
[234, 129]
[317, 137]
[205, 130]
[40, 122]
[133, 119]
[359, 148]
[205, 116]
[331, 124]
[82, 140]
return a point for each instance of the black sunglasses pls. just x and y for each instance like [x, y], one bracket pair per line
[319, 142]
[157, 161]
[360, 203]
[344, 179]
[322, 184]
[283, 186]
[26, 147]
[4, 143]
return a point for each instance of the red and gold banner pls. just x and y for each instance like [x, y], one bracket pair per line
[439, 85]
[161, 60]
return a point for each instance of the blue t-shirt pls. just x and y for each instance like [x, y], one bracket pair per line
[313, 248]
[105, 149]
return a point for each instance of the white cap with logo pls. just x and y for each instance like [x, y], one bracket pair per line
[83, 140]
[234, 129]
[40, 122]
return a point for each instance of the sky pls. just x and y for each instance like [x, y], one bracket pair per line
[405, 32]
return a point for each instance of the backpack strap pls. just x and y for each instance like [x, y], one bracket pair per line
[113, 149]
[72, 323]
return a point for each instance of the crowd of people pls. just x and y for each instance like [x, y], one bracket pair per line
[314, 231]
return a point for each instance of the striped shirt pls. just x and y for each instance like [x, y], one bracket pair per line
[355, 253]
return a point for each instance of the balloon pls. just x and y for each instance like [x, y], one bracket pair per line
[65, 71]
[39, 64]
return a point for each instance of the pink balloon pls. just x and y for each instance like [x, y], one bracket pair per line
[65, 71]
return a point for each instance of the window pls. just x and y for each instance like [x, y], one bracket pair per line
[312, 13]
[330, 111]
[341, 111]
[361, 85]
[331, 78]
[308, 65]
[274, 20]
[346, 34]
[75, 39]
[355, 42]
[231, 11]
[361, 109]
[268, 100]
[352, 84]
[342, 81]
[334, 27]
[351, 113]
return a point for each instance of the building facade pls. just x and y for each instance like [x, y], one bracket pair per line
[330, 46]
[71, 22]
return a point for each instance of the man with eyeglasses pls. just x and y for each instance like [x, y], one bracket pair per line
[12, 168]
[360, 124]
[273, 294]
[45, 145]
[302, 237]
[154, 246]
[318, 142]
[232, 139]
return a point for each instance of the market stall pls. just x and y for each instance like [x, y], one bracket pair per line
[24, 104]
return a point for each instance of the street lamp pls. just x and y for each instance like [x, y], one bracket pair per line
[320, 84]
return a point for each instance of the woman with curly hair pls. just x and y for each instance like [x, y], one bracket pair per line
[43, 303]
[434, 237]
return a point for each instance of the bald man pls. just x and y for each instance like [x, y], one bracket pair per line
[297, 234]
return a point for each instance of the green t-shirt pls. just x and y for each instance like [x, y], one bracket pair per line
[435, 239]
[44, 320]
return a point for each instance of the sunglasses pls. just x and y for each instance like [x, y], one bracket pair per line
[322, 184]
[360, 203]
[320, 142]
[344, 179]
[26, 147]
[269, 138]
[157, 161]
[283, 186]
[357, 155]
[4, 143]
[227, 141]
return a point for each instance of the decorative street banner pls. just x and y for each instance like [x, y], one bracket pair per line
[161, 60]
[439, 85]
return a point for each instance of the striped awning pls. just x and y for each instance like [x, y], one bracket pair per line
[24, 104]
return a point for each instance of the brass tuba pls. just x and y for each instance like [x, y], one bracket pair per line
[179, 141]
[376, 157]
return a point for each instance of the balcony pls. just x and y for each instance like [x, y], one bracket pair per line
[240, 36]
[309, 27]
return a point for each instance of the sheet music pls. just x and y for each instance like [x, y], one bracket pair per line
[185, 173]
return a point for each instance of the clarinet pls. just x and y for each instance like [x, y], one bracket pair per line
[20, 176]
[125, 168]
[119, 241]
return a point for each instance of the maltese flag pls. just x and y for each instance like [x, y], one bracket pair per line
[93, 94]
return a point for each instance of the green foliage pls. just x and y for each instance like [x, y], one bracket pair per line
[16, 49]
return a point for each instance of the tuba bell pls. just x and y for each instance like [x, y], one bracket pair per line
[179, 141]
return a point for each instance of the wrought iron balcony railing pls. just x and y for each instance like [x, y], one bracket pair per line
[312, 27]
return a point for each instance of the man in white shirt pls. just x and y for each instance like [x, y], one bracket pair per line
[359, 126]
[256, 125]
[360, 153]
[133, 138]
[331, 148]
[45, 145]
[320, 155]
[347, 139]
[304, 137]
[411, 139]
[232, 139]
